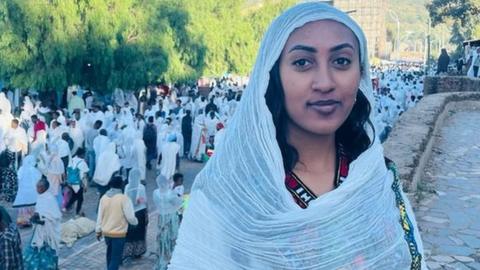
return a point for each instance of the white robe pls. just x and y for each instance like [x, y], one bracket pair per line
[28, 177]
[108, 163]
[140, 160]
[78, 138]
[169, 159]
[99, 145]
[198, 138]
[49, 233]
[17, 140]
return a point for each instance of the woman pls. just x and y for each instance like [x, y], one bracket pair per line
[39, 145]
[55, 171]
[77, 136]
[300, 181]
[136, 245]
[109, 162]
[169, 156]
[8, 177]
[167, 203]
[28, 176]
[42, 251]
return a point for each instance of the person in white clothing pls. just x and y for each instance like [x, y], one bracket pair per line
[169, 156]
[100, 143]
[16, 141]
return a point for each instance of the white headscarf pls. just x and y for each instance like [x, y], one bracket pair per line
[48, 233]
[28, 176]
[165, 199]
[136, 191]
[108, 163]
[241, 215]
[55, 164]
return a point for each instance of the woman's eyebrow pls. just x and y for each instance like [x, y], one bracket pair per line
[341, 46]
[303, 48]
[314, 50]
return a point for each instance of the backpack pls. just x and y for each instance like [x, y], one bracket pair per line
[73, 175]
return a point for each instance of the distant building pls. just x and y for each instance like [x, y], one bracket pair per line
[371, 17]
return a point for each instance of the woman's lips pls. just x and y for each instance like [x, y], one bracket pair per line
[324, 107]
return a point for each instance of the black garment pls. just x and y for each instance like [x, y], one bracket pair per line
[136, 244]
[8, 177]
[443, 62]
[76, 197]
[475, 71]
[459, 65]
[65, 162]
[150, 140]
[187, 132]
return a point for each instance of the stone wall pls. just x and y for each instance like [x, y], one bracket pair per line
[410, 142]
[442, 84]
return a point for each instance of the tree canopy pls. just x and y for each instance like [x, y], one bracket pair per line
[463, 15]
[105, 44]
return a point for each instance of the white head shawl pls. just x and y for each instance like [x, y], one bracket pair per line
[55, 164]
[49, 233]
[241, 216]
[135, 190]
[108, 163]
[28, 176]
[165, 199]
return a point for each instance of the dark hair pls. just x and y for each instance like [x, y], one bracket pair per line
[80, 152]
[351, 134]
[177, 176]
[103, 132]
[98, 123]
[116, 182]
[44, 183]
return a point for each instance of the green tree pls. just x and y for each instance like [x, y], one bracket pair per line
[102, 44]
[464, 14]
[105, 44]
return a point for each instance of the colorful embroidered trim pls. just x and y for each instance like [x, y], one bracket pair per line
[302, 194]
[404, 219]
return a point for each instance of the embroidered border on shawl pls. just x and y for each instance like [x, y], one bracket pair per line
[404, 219]
[302, 194]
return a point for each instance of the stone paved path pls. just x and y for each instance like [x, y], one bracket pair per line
[449, 215]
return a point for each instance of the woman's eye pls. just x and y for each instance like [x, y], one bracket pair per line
[342, 61]
[301, 63]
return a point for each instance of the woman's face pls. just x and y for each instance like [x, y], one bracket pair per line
[320, 75]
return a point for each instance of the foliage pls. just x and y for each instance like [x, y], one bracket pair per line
[102, 44]
[105, 44]
[464, 15]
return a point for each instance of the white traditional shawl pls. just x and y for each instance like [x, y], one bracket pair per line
[48, 233]
[136, 191]
[240, 214]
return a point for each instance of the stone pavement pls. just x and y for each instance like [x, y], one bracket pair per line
[93, 256]
[448, 213]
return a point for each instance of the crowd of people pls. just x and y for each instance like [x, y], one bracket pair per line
[398, 88]
[472, 56]
[50, 155]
